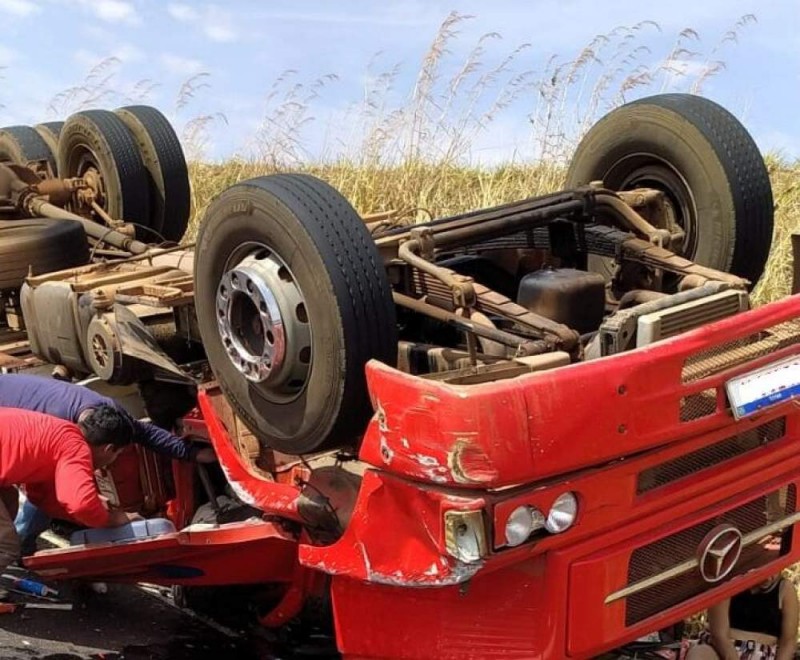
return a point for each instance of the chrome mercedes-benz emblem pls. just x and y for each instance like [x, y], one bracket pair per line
[718, 552]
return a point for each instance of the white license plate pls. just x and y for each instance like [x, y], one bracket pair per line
[763, 388]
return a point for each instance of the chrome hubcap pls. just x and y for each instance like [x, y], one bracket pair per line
[263, 323]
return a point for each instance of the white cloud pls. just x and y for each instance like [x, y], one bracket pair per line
[183, 66]
[218, 26]
[20, 8]
[212, 20]
[220, 33]
[181, 12]
[112, 11]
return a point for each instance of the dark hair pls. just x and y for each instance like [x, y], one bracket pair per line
[105, 424]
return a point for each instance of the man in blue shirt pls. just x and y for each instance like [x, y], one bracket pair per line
[68, 401]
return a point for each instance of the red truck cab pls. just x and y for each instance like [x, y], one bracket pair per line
[678, 504]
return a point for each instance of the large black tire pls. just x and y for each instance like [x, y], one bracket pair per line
[22, 145]
[49, 132]
[100, 139]
[160, 148]
[706, 162]
[348, 304]
[41, 244]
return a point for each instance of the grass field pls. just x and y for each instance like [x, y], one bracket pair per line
[412, 150]
[436, 190]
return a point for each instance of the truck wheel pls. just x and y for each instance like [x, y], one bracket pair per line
[40, 244]
[161, 152]
[22, 145]
[96, 145]
[292, 301]
[703, 159]
[49, 132]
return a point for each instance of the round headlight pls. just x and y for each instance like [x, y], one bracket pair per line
[519, 525]
[562, 514]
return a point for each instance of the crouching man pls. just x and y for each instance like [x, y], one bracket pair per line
[54, 461]
[73, 403]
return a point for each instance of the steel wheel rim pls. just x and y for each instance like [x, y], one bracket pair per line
[263, 322]
[644, 170]
[83, 163]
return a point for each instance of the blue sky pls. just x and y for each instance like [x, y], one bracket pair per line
[243, 49]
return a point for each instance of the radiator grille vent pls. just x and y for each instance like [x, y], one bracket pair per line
[734, 353]
[710, 455]
[664, 554]
[673, 324]
[696, 406]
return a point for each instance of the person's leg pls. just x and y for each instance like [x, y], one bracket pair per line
[9, 541]
[30, 522]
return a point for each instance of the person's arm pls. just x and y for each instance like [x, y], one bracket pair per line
[162, 441]
[76, 492]
[720, 629]
[787, 644]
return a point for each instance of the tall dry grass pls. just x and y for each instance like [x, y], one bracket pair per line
[411, 149]
[414, 148]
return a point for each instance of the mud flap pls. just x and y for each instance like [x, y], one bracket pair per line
[137, 342]
[249, 552]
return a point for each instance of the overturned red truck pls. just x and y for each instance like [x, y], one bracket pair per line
[538, 430]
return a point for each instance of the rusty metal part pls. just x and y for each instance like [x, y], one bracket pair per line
[487, 373]
[654, 206]
[490, 348]
[36, 206]
[111, 222]
[521, 345]
[491, 302]
[641, 197]
[379, 216]
[12, 183]
[95, 189]
[158, 252]
[57, 191]
[485, 224]
[653, 256]
[461, 286]
[153, 286]
[639, 296]
[610, 202]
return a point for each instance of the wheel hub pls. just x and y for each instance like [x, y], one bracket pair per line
[263, 322]
[648, 171]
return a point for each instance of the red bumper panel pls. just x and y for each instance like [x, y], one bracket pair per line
[233, 553]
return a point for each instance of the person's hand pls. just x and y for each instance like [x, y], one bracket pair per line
[205, 455]
[105, 501]
[118, 517]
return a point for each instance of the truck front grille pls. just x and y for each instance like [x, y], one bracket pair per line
[739, 351]
[696, 406]
[710, 455]
[661, 574]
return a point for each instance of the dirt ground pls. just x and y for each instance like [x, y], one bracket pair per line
[131, 624]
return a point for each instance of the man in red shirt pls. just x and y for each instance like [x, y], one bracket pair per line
[54, 461]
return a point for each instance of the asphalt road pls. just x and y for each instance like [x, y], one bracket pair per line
[131, 624]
